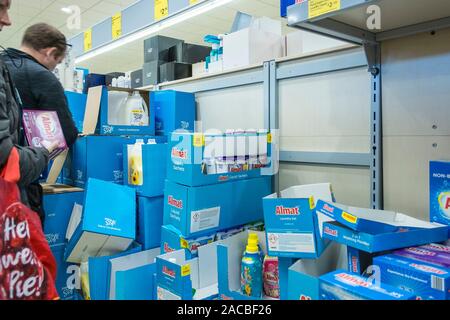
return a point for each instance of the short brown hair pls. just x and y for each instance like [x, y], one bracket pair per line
[41, 36]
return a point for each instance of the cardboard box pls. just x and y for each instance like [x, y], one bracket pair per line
[66, 281]
[197, 211]
[145, 167]
[422, 254]
[440, 192]
[284, 4]
[172, 71]
[423, 280]
[151, 73]
[341, 285]
[77, 106]
[251, 46]
[360, 262]
[137, 79]
[292, 226]
[173, 110]
[173, 240]
[197, 159]
[108, 224]
[99, 269]
[420, 234]
[376, 230]
[98, 157]
[132, 276]
[198, 69]
[155, 48]
[229, 257]
[191, 53]
[58, 207]
[150, 220]
[108, 101]
[180, 278]
[303, 278]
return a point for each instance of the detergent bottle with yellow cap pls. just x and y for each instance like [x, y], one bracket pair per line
[251, 269]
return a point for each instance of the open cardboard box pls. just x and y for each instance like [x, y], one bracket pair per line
[181, 278]
[292, 225]
[377, 230]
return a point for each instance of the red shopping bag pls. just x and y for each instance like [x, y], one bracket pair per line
[27, 266]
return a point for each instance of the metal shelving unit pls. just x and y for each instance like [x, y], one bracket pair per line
[351, 20]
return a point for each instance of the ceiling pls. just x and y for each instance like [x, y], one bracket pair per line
[25, 12]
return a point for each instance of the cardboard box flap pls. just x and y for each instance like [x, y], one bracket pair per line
[92, 110]
[74, 221]
[57, 166]
[369, 220]
[58, 188]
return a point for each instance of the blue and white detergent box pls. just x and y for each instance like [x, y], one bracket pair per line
[229, 257]
[341, 285]
[359, 261]
[67, 280]
[385, 230]
[77, 106]
[303, 277]
[108, 223]
[424, 280]
[198, 159]
[145, 167]
[149, 222]
[58, 206]
[173, 110]
[179, 277]
[173, 240]
[117, 112]
[132, 276]
[98, 157]
[292, 225]
[197, 211]
[440, 192]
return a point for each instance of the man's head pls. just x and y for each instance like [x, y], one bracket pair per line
[46, 44]
[4, 16]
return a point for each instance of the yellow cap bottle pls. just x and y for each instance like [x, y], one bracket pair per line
[252, 243]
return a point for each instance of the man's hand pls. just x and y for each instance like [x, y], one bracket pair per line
[50, 145]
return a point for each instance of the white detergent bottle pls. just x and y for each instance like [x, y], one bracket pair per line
[136, 111]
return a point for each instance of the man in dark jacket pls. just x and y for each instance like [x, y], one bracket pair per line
[43, 48]
[32, 160]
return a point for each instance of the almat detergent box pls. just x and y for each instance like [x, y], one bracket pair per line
[292, 225]
[424, 280]
[149, 221]
[198, 211]
[440, 192]
[341, 285]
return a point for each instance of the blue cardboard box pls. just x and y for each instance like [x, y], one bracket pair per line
[229, 257]
[341, 285]
[197, 211]
[150, 221]
[440, 192]
[145, 168]
[132, 276]
[108, 224]
[402, 238]
[98, 157]
[173, 240]
[303, 277]
[180, 278]
[284, 4]
[174, 110]
[58, 209]
[67, 281]
[77, 106]
[197, 159]
[424, 280]
[106, 128]
[292, 226]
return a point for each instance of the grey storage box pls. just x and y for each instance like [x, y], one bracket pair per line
[151, 72]
[174, 71]
[136, 79]
[155, 48]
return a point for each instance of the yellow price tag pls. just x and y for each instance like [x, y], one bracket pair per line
[311, 203]
[116, 26]
[88, 40]
[269, 138]
[199, 140]
[319, 7]
[185, 270]
[349, 217]
[161, 9]
[184, 244]
[191, 2]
